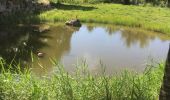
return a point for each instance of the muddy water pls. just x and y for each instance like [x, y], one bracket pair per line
[116, 47]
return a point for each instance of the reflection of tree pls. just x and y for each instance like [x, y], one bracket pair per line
[90, 28]
[135, 35]
[59, 43]
[110, 30]
[132, 37]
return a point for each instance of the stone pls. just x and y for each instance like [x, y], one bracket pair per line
[40, 54]
[75, 23]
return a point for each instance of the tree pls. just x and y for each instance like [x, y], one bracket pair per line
[126, 2]
[165, 88]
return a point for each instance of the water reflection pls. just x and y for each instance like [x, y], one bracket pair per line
[117, 47]
[137, 37]
[59, 44]
[132, 36]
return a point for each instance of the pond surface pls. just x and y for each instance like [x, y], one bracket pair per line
[116, 47]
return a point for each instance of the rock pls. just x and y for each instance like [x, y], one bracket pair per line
[40, 54]
[75, 23]
[44, 2]
[12, 6]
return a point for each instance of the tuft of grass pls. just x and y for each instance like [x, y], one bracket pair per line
[149, 18]
[82, 85]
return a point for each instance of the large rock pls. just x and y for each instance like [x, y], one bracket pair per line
[12, 6]
[44, 2]
[75, 23]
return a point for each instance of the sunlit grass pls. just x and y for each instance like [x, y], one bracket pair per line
[81, 85]
[150, 18]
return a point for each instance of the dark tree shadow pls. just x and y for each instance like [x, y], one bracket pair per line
[21, 34]
[71, 7]
[17, 43]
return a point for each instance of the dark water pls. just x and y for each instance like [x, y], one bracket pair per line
[116, 47]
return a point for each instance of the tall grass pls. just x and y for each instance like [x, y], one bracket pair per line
[81, 85]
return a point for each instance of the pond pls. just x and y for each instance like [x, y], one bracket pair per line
[116, 47]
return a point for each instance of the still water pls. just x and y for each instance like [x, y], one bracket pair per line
[116, 47]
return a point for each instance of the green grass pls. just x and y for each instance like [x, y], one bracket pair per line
[149, 18]
[81, 85]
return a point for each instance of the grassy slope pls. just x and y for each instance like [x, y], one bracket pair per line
[150, 18]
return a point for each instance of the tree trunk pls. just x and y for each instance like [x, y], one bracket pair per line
[168, 3]
[165, 88]
[126, 2]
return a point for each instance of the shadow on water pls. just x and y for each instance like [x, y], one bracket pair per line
[17, 42]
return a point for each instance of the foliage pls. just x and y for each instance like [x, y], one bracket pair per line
[82, 85]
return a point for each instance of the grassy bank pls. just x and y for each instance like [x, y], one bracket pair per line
[81, 86]
[150, 18]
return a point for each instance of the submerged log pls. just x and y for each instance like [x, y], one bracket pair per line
[75, 23]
